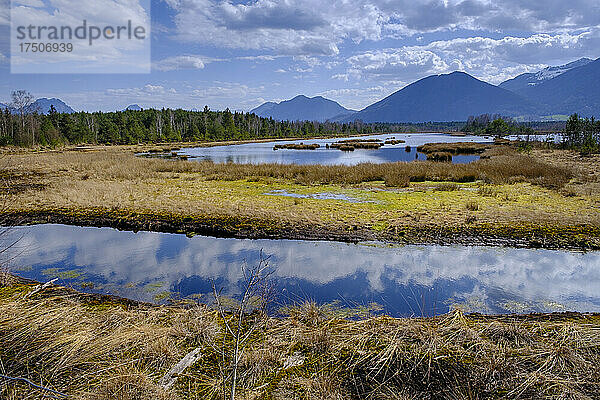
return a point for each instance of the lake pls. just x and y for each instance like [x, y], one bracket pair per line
[259, 153]
[403, 280]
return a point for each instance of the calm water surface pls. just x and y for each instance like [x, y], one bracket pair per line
[259, 153]
[406, 280]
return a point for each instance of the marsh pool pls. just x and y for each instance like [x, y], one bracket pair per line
[402, 280]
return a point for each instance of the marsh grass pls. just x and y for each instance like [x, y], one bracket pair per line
[497, 170]
[294, 146]
[109, 350]
[455, 148]
[399, 198]
[505, 168]
[439, 157]
[98, 350]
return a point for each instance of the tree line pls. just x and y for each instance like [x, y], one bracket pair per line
[496, 125]
[166, 125]
[582, 134]
[22, 125]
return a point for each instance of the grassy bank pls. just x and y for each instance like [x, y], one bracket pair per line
[99, 347]
[540, 199]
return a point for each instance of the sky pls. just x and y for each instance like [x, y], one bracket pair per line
[239, 54]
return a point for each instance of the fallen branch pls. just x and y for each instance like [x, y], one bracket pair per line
[39, 288]
[171, 377]
[27, 381]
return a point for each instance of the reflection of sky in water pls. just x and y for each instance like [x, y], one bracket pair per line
[256, 153]
[405, 280]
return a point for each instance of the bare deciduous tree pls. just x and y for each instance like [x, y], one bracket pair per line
[241, 319]
[22, 101]
[244, 317]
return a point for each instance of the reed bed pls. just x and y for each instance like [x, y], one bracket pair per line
[455, 148]
[439, 157]
[294, 146]
[110, 350]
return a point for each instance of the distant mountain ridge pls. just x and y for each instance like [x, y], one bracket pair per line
[574, 91]
[133, 107]
[42, 106]
[524, 81]
[302, 108]
[553, 91]
[448, 97]
[560, 90]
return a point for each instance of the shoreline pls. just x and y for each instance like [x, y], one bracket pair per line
[566, 238]
[99, 298]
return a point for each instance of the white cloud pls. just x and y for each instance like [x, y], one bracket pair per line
[294, 27]
[314, 27]
[226, 90]
[182, 62]
[29, 3]
[358, 98]
[258, 58]
[191, 95]
[4, 12]
[146, 90]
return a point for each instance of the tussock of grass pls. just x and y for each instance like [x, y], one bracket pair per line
[446, 187]
[294, 146]
[455, 148]
[108, 351]
[439, 157]
[350, 145]
[472, 206]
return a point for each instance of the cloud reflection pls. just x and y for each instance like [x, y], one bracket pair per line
[492, 274]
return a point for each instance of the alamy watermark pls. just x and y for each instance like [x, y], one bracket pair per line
[112, 39]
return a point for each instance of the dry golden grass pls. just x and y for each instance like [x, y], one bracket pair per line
[106, 350]
[586, 170]
[505, 166]
[96, 350]
[497, 170]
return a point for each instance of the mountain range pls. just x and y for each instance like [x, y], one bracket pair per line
[551, 92]
[561, 90]
[43, 104]
[574, 91]
[451, 97]
[524, 81]
[302, 108]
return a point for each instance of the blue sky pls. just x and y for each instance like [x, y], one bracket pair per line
[238, 54]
